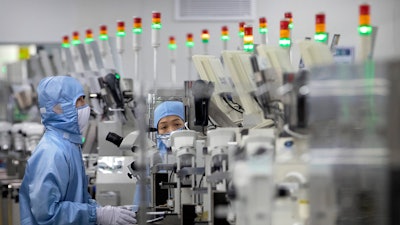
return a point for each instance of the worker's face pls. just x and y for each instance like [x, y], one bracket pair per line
[169, 124]
[80, 102]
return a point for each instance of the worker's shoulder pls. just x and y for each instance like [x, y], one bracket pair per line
[54, 146]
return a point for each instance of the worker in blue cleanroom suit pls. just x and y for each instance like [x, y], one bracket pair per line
[54, 189]
[168, 116]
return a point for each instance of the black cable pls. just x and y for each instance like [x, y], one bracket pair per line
[240, 107]
[212, 123]
[227, 102]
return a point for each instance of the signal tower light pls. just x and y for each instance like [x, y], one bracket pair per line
[137, 25]
[248, 39]
[156, 21]
[224, 33]
[65, 42]
[189, 40]
[121, 29]
[103, 33]
[289, 16]
[205, 36]
[284, 40]
[263, 26]
[320, 30]
[365, 27]
[89, 36]
[241, 29]
[75, 38]
[172, 43]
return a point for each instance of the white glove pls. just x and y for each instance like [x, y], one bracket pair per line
[109, 215]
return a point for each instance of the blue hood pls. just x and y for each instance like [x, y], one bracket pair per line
[168, 108]
[57, 96]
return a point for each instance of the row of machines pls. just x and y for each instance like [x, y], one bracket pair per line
[265, 143]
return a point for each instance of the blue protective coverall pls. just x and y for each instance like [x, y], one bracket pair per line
[54, 189]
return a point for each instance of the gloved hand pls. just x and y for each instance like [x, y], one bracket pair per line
[110, 215]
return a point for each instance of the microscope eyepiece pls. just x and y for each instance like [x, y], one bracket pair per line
[114, 138]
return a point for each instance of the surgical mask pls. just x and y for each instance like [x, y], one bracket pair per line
[166, 138]
[83, 117]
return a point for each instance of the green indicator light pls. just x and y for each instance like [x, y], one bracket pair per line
[241, 34]
[190, 44]
[290, 25]
[204, 40]
[172, 46]
[121, 34]
[117, 76]
[263, 30]
[321, 37]
[76, 42]
[248, 47]
[65, 45]
[103, 37]
[156, 26]
[284, 42]
[137, 30]
[89, 40]
[365, 30]
[225, 37]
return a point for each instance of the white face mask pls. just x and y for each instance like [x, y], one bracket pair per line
[83, 117]
[165, 138]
